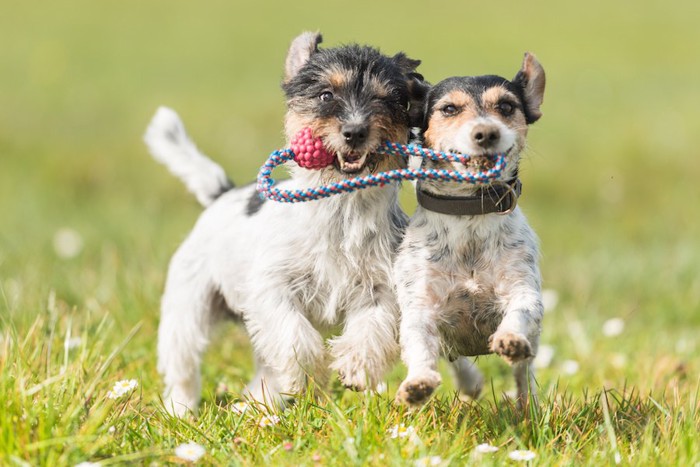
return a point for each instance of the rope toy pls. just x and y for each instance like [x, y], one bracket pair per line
[311, 154]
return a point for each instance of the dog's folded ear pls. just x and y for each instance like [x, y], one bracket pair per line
[531, 79]
[407, 65]
[417, 87]
[418, 90]
[305, 45]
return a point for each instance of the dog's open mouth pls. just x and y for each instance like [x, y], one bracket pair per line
[351, 162]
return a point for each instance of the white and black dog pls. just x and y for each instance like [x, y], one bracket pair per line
[291, 272]
[467, 273]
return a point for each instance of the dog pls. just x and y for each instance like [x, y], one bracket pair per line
[293, 272]
[467, 275]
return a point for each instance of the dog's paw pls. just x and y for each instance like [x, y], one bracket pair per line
[416, 391]
[353, 378]
[512, 346]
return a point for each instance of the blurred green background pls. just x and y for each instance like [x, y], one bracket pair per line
[611, 177]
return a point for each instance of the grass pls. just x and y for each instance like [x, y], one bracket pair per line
[610, 187]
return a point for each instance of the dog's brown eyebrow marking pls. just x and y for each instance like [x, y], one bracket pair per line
[496, 93]
[378, 87]
[338, 78]
[459, 99]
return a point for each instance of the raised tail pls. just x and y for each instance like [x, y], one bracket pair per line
[169, 144]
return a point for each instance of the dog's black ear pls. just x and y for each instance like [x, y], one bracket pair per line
[417, 98]
[407, 65]
[417, 87]
[531, 79]
[305, 45]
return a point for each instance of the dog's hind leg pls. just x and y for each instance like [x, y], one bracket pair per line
[468, 378]
[188, 311]
[524, 375]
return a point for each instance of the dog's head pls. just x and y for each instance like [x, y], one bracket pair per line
[485, 115]
[353, 98]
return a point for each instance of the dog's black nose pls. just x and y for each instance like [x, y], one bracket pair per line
[354, 133]
[486, 135]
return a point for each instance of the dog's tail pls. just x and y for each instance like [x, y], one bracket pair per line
[169, 144]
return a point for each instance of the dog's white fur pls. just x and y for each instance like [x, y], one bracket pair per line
[470, 285]
[169, 144]
[289, 271]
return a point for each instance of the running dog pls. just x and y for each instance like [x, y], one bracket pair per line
[467, 274]
[292, 272]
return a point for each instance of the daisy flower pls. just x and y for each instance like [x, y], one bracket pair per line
[400, 431]
[485, 448]
[121, 388]
[73, 343]
[613, 327]
[569, 367]
[544, 356]
[522, 455]
[67, 243]
[87, 464]
[428, 460]
[190, 451]
[268, 420]
[618, 360]
[240, 407]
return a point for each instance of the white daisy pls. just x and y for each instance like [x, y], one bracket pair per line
[73, 343]
[400, 431]
[613, 327]
[618, 360]
[268, 420]
[349, 446]
[569, 367]
[544, 356]
[428, 460]
[121, 388]
[523, 455]
[190, 451]
[485, 448]
[87, 464]
[67, 243]
[240, 407]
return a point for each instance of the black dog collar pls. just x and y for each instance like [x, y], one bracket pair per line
[498, 197]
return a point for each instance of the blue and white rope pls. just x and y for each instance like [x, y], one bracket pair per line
[279, 157]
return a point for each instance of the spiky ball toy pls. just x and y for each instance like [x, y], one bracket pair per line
[309, 151]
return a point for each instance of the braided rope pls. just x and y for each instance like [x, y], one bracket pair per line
[279, 157]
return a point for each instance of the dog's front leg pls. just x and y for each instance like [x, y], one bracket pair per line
[286, 344]
[420, 350]
[368, 345]
[517, 337]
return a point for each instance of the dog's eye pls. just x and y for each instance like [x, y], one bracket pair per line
[326, 96]
[505, 108]
[449, 110]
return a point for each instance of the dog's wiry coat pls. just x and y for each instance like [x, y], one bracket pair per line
[470, 285]
[292, 271]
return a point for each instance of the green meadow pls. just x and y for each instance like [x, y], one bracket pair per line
[88, 222]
